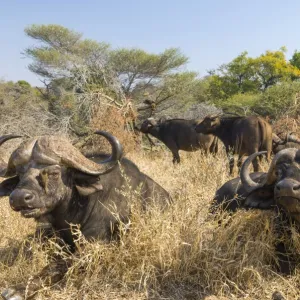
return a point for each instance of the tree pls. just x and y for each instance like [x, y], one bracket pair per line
[136, 65]
[295, 60]
[80, 73]
[272, 67]
[232, 78]
[251, 75]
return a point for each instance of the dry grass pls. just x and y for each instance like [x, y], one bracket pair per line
[287, 125]
[182, 253]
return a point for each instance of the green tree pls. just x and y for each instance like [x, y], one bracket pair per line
[272, 67]
[79, 73]
[136, 65]
[232, 78]
[295, 60]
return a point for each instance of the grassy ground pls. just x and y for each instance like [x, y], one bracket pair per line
[182, 253]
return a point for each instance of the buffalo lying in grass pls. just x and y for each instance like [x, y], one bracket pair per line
[290, 141]
[54, 183]
[278, 189]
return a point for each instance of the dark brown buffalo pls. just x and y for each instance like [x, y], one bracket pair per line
[278, 189]
[242, 135]
[179, 134]
[53, 182]
[290, 141]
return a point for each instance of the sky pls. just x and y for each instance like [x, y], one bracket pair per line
[209, 32]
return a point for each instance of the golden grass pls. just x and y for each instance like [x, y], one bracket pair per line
[182, 253]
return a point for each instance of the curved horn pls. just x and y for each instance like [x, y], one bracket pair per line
[249, 184]
[54, 150]
[117, 150]
[276, 139]
[291, 138]
[7, 137]
[3, 139]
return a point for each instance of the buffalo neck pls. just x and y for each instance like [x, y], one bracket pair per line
[156, 131]
[224, 130]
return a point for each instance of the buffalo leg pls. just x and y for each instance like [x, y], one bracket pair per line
[176, 157]
[255, 164]
[174, 149]
[233, 160]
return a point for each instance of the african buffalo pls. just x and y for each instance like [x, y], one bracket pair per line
[52, 181]
[179, 134]
[232, 194]
[290, 141]
[242, 135]
[278, 189]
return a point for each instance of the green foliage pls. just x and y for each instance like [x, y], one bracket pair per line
[81, 73]
[232, 78]
[295, 60]
[272, 67]
[242, 104]
[23, 83]
[277, 101]
[251, 75]
[11, 92]
[134, 65]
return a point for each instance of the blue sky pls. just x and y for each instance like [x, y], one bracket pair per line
[208, 32]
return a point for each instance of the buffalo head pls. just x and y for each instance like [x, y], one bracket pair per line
[289, 141]
[282, 181]
[43, 171]
[147, 125]
[209, 124]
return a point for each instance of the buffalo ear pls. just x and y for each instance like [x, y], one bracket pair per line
[262, 198]
[8, 185]
[87, 185]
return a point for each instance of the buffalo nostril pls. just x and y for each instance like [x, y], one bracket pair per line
[296, 187]
[28, 197]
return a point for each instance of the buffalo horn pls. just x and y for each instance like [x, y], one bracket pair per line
[291, 138]
[54, 150]
[3, 139]
[251, 185]
[247, 182]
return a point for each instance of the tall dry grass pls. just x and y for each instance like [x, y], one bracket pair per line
[181, 253]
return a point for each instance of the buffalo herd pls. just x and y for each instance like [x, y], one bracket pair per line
[50, 180]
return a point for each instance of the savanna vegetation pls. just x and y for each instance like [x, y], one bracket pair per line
[182, 253]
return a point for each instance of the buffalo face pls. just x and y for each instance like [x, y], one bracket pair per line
[208, 125]
[282, 179]
[48, 170]
[147, 125]
[39, 191]
[287, 188]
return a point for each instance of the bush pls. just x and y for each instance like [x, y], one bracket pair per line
[242, 104]
[279, 100]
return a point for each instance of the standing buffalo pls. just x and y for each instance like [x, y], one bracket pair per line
[242, 135]
[179, 134]
[52, 181]
[278, 188]
[290, 141]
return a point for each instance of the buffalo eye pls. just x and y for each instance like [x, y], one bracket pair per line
[54, 175]
[278, 173]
